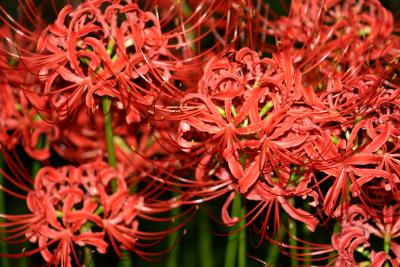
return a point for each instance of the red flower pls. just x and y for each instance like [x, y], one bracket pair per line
[357, 228]
[89, 52]
[250, 119]
[335, 37]
[20, 122]
[72, 206]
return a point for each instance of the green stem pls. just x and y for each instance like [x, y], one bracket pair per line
[242, 239]
[273, 250]
[387, 238]
[88, 260]
[232, 245]
[126, 261]
[292, 241]
[307, 237]
[307, 250]
[3, 245]
[386, 242]
[173, 257]
[106, 104]
[205, 248]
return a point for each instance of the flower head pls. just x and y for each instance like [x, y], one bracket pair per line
[82, 206]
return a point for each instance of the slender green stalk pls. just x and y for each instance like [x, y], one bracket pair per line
[205, 248]
[387, 238]
[126, 261]
[293, 242]
[242, 239]
[232, 245]
[273, 250]
[106, 104]
[3, 245]
[307, 237]
[292, 239]
[386, 242]
[173, 257]
[88, 260]
[307, 250]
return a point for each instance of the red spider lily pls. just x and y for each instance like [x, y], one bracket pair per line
[365, 166]
[229, 91]
[91, 66]
[90, 52]
[346, 242]
[387, 225]
[20, 123]
[231, 128]
[72, 207]
[335, 36]
[357, 227]
[353, 243]
[52, 220]
[349, 173]
[309, 128]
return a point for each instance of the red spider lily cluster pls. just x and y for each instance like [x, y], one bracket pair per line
[134, 109]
